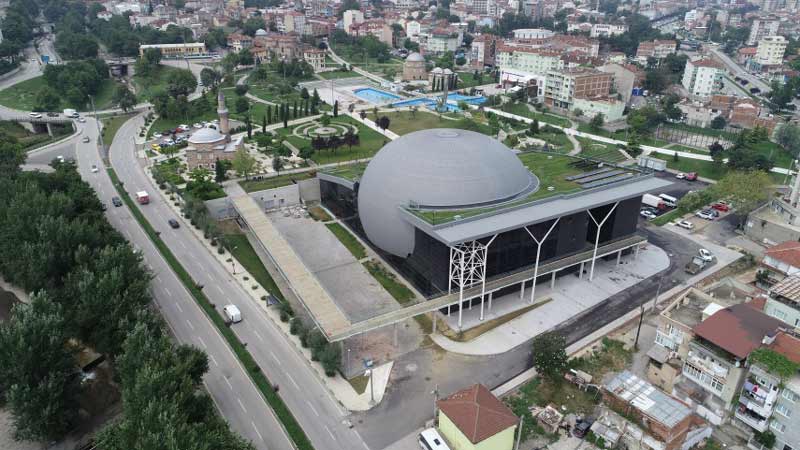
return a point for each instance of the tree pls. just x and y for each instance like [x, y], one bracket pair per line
[717, 152]
[249, 126]
[788, 136]
[220, 174]
[597, 122]
[229, 62]
[746, 189]
[124, 98]
[47, 100]
[241, 104]
[383, 122]
[718, 123]
[325, 120]
[335, 108]
[264, 124]
[181, 82]
[243, 163]
[209, 77]
[549, 355]
[277, 162]
[533, 130]
[37, 369]
[241, 89]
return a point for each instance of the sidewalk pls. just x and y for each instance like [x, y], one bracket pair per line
[570, 297]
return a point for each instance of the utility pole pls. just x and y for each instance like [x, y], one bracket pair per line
[99, 129]
[371, 388]
[639, 327]
[435, 393]
[519, 432]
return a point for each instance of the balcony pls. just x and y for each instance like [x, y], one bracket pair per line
[752, 419]
[758, 399]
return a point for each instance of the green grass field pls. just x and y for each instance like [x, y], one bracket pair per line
[370, 142]
[338, 74]
[275, 182]
[246, 256]
[601, 151]
[467, 80]
[389, 281]
[404, 122]
[350, 172]
[521, 109]
[22, 95]
[111, 126]
[347, 239]
[146, 87]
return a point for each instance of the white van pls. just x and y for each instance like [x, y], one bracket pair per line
[232, 313]
[431, 440]
[669, 200]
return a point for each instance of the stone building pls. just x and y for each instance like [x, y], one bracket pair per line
[414, 68]
[207, 145]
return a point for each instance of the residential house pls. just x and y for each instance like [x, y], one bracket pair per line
[702, 77]
[658, 49]
[781, 261]
[474, 419]
[783, 302]
[562, 87]
[626, 77]
[239, 41]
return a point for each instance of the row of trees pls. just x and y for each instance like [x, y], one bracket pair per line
[90, 288]
[71, 84]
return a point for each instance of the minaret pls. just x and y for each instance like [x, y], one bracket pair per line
[222, 110]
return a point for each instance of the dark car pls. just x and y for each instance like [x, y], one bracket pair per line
[173, 223]
[116, 202]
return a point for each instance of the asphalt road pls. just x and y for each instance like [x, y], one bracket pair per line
[737, 70]
[316, 411]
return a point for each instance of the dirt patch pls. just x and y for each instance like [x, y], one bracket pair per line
[472, 333]
[319, 214]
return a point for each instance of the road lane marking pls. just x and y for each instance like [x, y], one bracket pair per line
[201, 341]
[329, 432]
[312, 408]
[178, 305]
[275, 358]
[258, 336]
[220, 289]
[168, 292]
[293, 382]
[214, 360]
[187, 321]
[182, 245]
[230, 386]
[241, 404]
[256, 428]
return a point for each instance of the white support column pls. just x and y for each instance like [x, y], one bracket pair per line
[461, 290]
[468, 268]
[619, 257]
[636, 252]
[491, 294]
[580, 272]
[483, 275]
[553, 280]
[597, 235]
[481, 307]
[538, 253]
[522, 291]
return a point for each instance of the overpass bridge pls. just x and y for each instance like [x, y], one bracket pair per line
[337, 327]
[39, 124]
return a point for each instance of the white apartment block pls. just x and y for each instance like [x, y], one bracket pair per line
[770, 51]
[352, 17]
[702, 78]
[529, 60]
[606, 30]
[762, 28]
[437, 43]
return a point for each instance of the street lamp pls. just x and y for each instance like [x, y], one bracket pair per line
[233, 260]
[371, 387]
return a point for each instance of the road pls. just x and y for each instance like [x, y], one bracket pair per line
[737, 70]
[226, 381]
[305, 395]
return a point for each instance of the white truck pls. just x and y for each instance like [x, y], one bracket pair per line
[142, 197]
[654, 201]
[71, 113]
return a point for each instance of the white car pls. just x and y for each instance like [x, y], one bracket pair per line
[706, 255]
[680, 176]
[704, 215]
[198, 125]
[647, 214]
[184, 127]
[35, 115]
[157, 135]
[94, 168]
[685, 224]
[81, 120]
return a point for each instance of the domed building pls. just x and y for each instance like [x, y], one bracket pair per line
[414, 68]
[443, 79]
[451, 207]
[207, 145]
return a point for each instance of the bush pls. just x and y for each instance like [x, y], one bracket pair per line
[286, 311]
[221, 250]
[331, 360]
[296, 327]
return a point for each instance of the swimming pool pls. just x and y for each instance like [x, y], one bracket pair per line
[471, 99]
[415, 102]
[452, 101]
[373, 95]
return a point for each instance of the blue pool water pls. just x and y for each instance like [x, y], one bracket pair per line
[472, 100]
[452, 101]
[375, 96]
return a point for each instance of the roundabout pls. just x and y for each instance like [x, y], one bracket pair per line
[316, 129]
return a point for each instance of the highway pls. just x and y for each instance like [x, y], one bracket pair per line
[736, 70]
[309, 400]
[235, 395]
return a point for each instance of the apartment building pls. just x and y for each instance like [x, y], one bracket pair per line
[315, 57]
[529, 59]
[783, 302]
[562, 87]
[351, 17]
[439, 40]
[607, 29]
[482, 51]
[702, 77]
[658, 49]
[626, 77]
[762, 28]
[176, 50]
[238, 41]
[294, 22]
[374, 27]
[781, 261]
[769, 53]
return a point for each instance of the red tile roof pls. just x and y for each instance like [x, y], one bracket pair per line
[477, 413]
[788, 252]
[738, 329]
[707, 63]
[787, 345]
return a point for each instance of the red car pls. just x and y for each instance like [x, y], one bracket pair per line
[691, 176]
[721, 207]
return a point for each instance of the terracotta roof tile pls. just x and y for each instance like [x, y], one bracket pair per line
[787, 345]
[477, 413]
[788, 252]
[738, 329]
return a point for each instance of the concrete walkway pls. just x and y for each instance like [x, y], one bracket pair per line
[570, 297]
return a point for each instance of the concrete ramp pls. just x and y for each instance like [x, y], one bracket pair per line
[319, 303]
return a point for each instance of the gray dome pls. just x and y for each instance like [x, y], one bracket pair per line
[442, 168]
[261, 32]
[205, 136]
[415, 57]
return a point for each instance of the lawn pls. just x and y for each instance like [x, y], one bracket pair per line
[276, 181]
[147, 87]
[370, 141]
[467, 79]
[22, 95]
[348, 240]
[111, 126]
[241, 249]
[31, 141]
[521, 109]
[600, 151]
[405, 122]
[338, 74]
[350, 172]
[389, 281]
[558, 141]
[668, 217]
[706, 169]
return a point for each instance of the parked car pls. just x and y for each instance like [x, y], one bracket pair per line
[116, 202]
[183, 127]
[198, 125]
[691, 176]
[680, 176]
[81, 119]
[35, 115]
[705, 214]
[94, 169]
[647, 214]
[685, 224]
[52, 114]
[157, 135]
[86, 139]
[173, 223]
[719, 206]
[706, 255]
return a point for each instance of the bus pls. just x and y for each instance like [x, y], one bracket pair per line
[431, 440]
